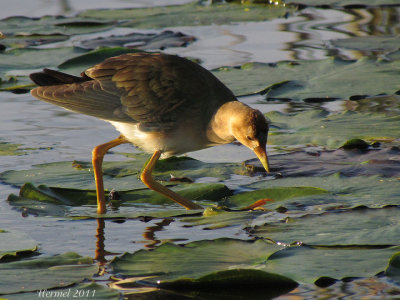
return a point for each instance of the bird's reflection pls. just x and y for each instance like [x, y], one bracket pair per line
[149, 236]
[150, 233]
[100, 252]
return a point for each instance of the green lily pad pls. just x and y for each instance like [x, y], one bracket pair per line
[344, 3]
[353, 227]
[122, 176]
[304, 264]
[79, 63]
[45, 273]
[53, 25]
[234, 283]
[331, 130]
[393, 268]
[343, 192]
[43, 200]
[311, 80]
[14, 243]
[191, 14]
[7, 149]
[368, 43]
[274, 193]
[221, 218]
[354, 162]
[80, 291]
[194, 260]
[308, 265]
[149, 41]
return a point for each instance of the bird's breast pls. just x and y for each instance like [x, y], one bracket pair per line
[173, 142]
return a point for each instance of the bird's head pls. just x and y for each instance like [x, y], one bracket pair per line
[250, 128]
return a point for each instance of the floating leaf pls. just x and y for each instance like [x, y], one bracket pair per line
[393, 268]
[45, 273]
[82, 291]
[344, 3]
[14, 243]
[308, 265]
[331, 130]
[233, 284]
[191, 14]
[274, 193]
[7, 149]
[148, 41]
[343, 192]
[353, 227]
[313, 79]
[315, 162]
[193, 260]
[121, 175]
[43, 200]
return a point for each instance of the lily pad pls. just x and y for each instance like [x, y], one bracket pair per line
[393, 268]
[274, 193]
[43, 200]
[56, 25]
[7, 149]
[234, 283]
[343, 192]
[191, 14]
[149, 41]
[45, 273]
[344, 3]
[193, 260]
[313, 79]
[384, 162]
[331, 130]
[82, 291]
[353, 227]
[308, 265]
[14, 243]
[368, 43]
[122, 176]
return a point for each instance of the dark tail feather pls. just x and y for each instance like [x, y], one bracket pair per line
[51, 77]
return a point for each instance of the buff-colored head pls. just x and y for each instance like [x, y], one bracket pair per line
[236, 120]
[250, 128]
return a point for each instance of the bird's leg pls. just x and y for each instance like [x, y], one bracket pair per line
[97, 161]
[148, 180]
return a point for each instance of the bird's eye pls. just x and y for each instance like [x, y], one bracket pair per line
[249, 138]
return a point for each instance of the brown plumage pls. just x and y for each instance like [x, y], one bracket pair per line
[162, 103]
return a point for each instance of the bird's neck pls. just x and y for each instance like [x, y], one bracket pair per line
[220, 127]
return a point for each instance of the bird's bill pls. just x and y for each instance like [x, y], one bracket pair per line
[261, 153]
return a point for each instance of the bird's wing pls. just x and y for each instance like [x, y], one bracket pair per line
[155, 90]
[91, 97]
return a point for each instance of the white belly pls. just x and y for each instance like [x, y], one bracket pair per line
[177, 142]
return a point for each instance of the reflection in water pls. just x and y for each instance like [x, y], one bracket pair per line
[100, 252]
[149, 235]
[318, 26]
[150, 232]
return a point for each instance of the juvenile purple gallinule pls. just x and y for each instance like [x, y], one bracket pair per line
[164, 104]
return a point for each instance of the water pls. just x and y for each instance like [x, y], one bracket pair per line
[57, 135]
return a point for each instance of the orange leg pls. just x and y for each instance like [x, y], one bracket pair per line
[148, 180]
[97, 161]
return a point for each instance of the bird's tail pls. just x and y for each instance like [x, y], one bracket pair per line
[51, 77]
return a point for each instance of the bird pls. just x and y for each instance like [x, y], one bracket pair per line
[164, 104]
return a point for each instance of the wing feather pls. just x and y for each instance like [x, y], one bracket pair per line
[156, 90]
